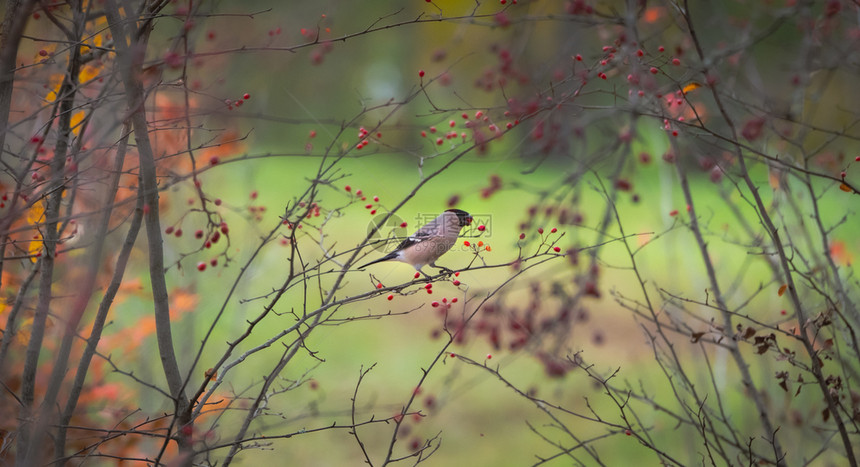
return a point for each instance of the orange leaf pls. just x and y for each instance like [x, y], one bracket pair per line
[692, 85]
[840, 252]
[782, 289]
[845, 188]
[182, 301]
[653, 13]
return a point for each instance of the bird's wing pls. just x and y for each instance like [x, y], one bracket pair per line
[414, 239]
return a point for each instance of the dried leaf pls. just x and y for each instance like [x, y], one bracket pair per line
[696, 336]
[845, 188]
[782, 289]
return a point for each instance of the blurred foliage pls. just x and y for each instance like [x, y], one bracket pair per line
[568, 124]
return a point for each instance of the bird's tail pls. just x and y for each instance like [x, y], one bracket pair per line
[387, 257]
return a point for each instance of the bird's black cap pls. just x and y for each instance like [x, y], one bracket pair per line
[464, 217]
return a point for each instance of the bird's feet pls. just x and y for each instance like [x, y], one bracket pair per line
[443, 269]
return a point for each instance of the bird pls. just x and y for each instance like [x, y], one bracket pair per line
[430, 241]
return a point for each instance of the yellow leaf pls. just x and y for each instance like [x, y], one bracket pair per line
[34, 249]
[36, 213]
[88, 72]
[54, 83]
[77, 118]
[782, 289]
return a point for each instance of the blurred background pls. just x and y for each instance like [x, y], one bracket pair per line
[569, 130]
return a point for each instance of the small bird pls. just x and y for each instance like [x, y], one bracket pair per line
[429, 242]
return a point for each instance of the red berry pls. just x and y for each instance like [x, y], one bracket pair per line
[456, 282]
[540, 230]
[481, 228]
[379, 285]
[676, 62]
[554, 230]
[198, 234]
[201, 266]
[246, 96]
[417, 275]
[556, 249]
[466, 243]
[454, 300]
[429, 285]
[653, 70]
[434, 304]
[390, 297]
[347, 188]
[403, 225]
[522, 236]
[578, 58]
[168, 230]
[421, 72]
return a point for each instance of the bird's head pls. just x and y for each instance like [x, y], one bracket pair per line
[463, 217]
